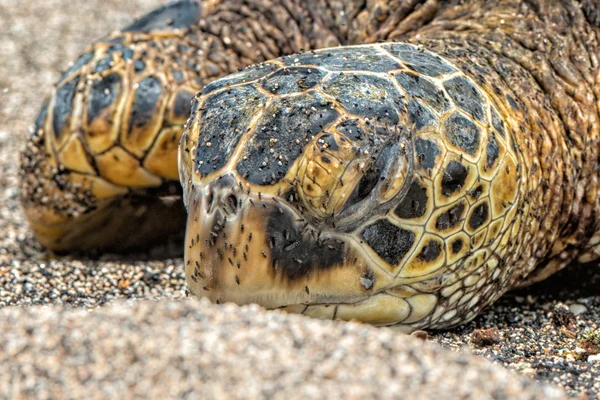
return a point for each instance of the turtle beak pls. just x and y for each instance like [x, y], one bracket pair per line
[256, 249]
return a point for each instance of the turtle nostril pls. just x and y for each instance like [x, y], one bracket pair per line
[233, 203]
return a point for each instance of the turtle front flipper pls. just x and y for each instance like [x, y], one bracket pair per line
[100, 169]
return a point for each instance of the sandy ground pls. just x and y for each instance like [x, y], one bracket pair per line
[89, 342]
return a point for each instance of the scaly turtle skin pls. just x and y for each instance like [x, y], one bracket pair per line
[443, 154]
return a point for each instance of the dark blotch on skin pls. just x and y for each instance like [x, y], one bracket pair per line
[479, 216]
[285, 121]
[419, 60]
[226, 116]
[183, 104]
[430, 252]
[512, 102]
[492, 151]
[146, 98]
[103, 93]
[295, 254]
[346, 59]
[63, 105]
[466, 96]
[457, 246]
[424, 89]
[462, 133]
[390, 242]
[173, 15]
[427, 152]
[293, 80]
[454, 178]
[414, 203]
[450, 218]
[476, 192]
[368, 96]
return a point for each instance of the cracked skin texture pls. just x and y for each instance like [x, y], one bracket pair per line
[403, 163]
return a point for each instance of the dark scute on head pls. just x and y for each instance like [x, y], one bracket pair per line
[498, 123]
[125, 52]
[81, 61]
[420, 115]
[139, 65]
[146, 99]
[328, 141]
[41, 118]
[346, 59]
[183, 104]
[492, 151]
[173, 15]
[462, 133]
[63, 105]
[295, 254]
[423, 88]
[284, 128]
[351, 129]
[430, 251]
[103, 65]
[103, 93]
[367, 96]
[246, 75]
[467, 97]
[450, 218]
[414, 203]
[177, 76]
[293, 80]
[457, 245]
[427, 151]
[454, 178]
[389, 241]
[479, 216]
[420, 60]
[225, 118]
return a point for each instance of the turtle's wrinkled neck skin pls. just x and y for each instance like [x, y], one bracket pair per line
[408, 181]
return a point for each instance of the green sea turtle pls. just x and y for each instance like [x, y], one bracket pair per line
[403, 162]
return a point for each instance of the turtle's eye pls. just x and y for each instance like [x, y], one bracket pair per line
[343, 183]
[365, 186]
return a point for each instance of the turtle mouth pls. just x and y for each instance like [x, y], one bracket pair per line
[245, 248]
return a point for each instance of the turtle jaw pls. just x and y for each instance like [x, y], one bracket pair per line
[244, 249]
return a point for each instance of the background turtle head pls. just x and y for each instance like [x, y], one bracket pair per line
[344, 183]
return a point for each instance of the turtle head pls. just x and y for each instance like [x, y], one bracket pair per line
[290, 243]
[273, 216]
[383, 197]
